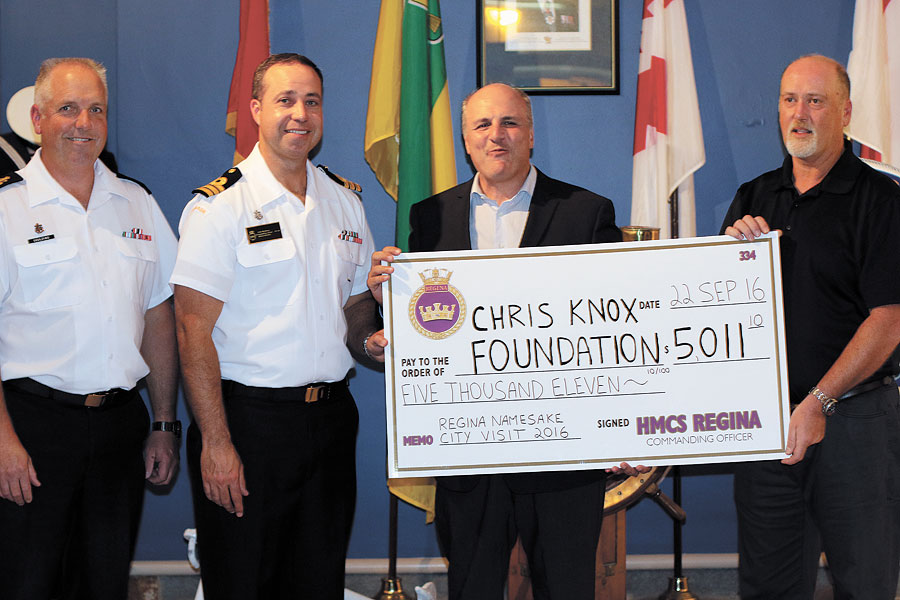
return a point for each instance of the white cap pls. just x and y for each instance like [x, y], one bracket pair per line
[18, 114]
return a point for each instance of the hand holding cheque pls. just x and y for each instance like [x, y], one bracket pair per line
[378, 274]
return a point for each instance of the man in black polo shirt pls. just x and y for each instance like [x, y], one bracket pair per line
[839, 490]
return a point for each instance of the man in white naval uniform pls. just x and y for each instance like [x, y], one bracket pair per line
[85, 257]
[271, 268]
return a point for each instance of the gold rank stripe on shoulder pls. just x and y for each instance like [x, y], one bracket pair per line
[217, 186]
[350, 185]
[10, 179]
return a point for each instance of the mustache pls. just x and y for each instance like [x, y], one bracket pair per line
[802, 125]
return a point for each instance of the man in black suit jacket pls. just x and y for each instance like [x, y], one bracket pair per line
[510, 203]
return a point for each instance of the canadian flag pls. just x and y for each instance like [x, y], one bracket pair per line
[668, 138]
[874, 69]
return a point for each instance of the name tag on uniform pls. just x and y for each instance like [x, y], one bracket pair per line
[264, 233]
[43, 238]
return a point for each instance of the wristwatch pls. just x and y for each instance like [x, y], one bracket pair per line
[172, 426]
[829, 404]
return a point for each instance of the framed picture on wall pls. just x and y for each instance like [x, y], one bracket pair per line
[549, 46]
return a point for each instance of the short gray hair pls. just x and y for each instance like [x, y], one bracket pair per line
[41, 84]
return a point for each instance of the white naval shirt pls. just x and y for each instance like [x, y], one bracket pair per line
[282, 322]
[75, 283]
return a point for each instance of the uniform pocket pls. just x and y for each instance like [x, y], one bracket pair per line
[49, 273]
[136, 264]
[270, 275]
[349, 257]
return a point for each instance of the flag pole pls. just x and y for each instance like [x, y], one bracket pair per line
[673, 215]
[391, 587]
[678, 583]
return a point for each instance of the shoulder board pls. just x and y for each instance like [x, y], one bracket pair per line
[9, 179]
[133, 180]
[217, 186]
[350, 185]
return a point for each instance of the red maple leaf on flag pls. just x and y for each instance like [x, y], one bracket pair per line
[651, 102]
[648, 14]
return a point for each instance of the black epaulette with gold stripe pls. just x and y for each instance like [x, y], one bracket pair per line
[350, 185]
[133, 180]
[217, 186]
[10, 179]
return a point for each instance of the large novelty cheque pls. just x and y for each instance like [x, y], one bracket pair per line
[581, 357]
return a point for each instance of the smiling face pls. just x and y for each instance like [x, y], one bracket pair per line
[813, 109]
[289, 112]
[498, 135]
[71, 118]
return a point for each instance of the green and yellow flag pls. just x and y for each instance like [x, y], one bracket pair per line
[409, 136]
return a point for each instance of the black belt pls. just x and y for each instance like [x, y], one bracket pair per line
[313, 392]
[95, 400]
[867, 387]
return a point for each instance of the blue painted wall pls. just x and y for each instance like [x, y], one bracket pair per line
[170, 66]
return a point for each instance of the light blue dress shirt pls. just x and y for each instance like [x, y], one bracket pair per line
[493, 225]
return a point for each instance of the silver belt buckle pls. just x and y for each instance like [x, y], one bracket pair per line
[314, 393]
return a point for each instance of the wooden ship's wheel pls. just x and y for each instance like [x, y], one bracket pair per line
[622, 491]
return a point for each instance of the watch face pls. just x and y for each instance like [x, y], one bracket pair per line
[829, 407]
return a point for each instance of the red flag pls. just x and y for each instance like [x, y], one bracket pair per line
[874, 68]
[668, 139]
[253, 48]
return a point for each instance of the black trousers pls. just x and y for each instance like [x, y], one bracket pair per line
[300, 469]
[843, 498]
[559, 530]
[76, 538]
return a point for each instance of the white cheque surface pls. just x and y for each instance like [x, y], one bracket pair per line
[581, 357]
